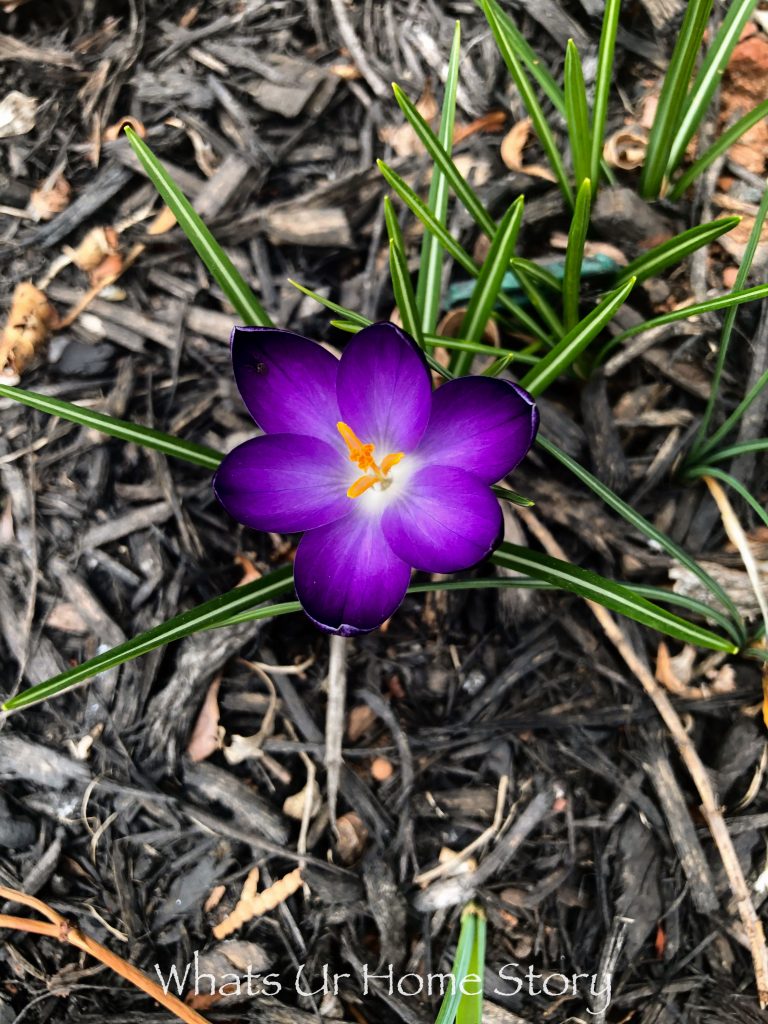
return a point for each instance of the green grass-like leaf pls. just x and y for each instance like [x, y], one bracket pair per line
[531, 103]
[642, 525]
[535, 295]
[732, 420]
[603, 82]
[732, 482]
[223, 270]
[734, 298]
[719, 146]
[728, 321]
[708, 78]
[445, 165]
[574, 254]
[449, 243]
[526, 55]
[670, 110]
[567, 351]
[470, 1008]
[402, 286]
[452, 998]
[486, 293]
[347, 314]
[676, 249]
[204, 616]
[577, 117]
[455, 344]
[608, 593]
[733, 451]
[175, 447]
[429, 283]
[512, 496]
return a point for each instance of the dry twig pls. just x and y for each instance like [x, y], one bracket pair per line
[57, 927]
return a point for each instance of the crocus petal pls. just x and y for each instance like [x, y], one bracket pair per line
[288, 383]
[482, 424]
[348, 579]
[384, 388]
[284, 482]
[446, 520]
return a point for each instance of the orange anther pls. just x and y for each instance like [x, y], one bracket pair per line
[361, 485]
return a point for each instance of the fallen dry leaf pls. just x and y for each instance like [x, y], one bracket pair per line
[512, 146]
[493, 121]
[30, 322]
[206, 737]
[17, 114]
[253, 904]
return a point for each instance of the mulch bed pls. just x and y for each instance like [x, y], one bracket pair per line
[497, 714]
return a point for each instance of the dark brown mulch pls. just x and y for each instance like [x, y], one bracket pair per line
[471, 709]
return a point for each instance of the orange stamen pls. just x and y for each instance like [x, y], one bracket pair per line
[362, 454]
[390, 460]
[361, 485]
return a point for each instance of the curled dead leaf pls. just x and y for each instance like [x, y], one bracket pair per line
[30, 322]
[450, 327]
[46, 202]
[626, 148]
[114, 130]
[512, 146]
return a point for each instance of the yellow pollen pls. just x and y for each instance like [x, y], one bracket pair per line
[362, 455]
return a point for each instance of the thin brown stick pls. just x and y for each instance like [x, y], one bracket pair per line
[57, 927]
[710, 807]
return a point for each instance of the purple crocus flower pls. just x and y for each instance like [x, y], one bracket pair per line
[380, 473]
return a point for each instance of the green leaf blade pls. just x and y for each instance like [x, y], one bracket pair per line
[574, 254]
[669, 112]
[608, 593]
[577, 115]
[531, 103]
[641, 524]
[433, 145]
[429, 281]
[676, 249]
[123, 430]
[708, 78]
[204, 616]
[568, 350]
[224, 272]
[603, 81]
[486, 293]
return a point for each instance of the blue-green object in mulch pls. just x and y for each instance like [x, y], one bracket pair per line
[593, 267]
